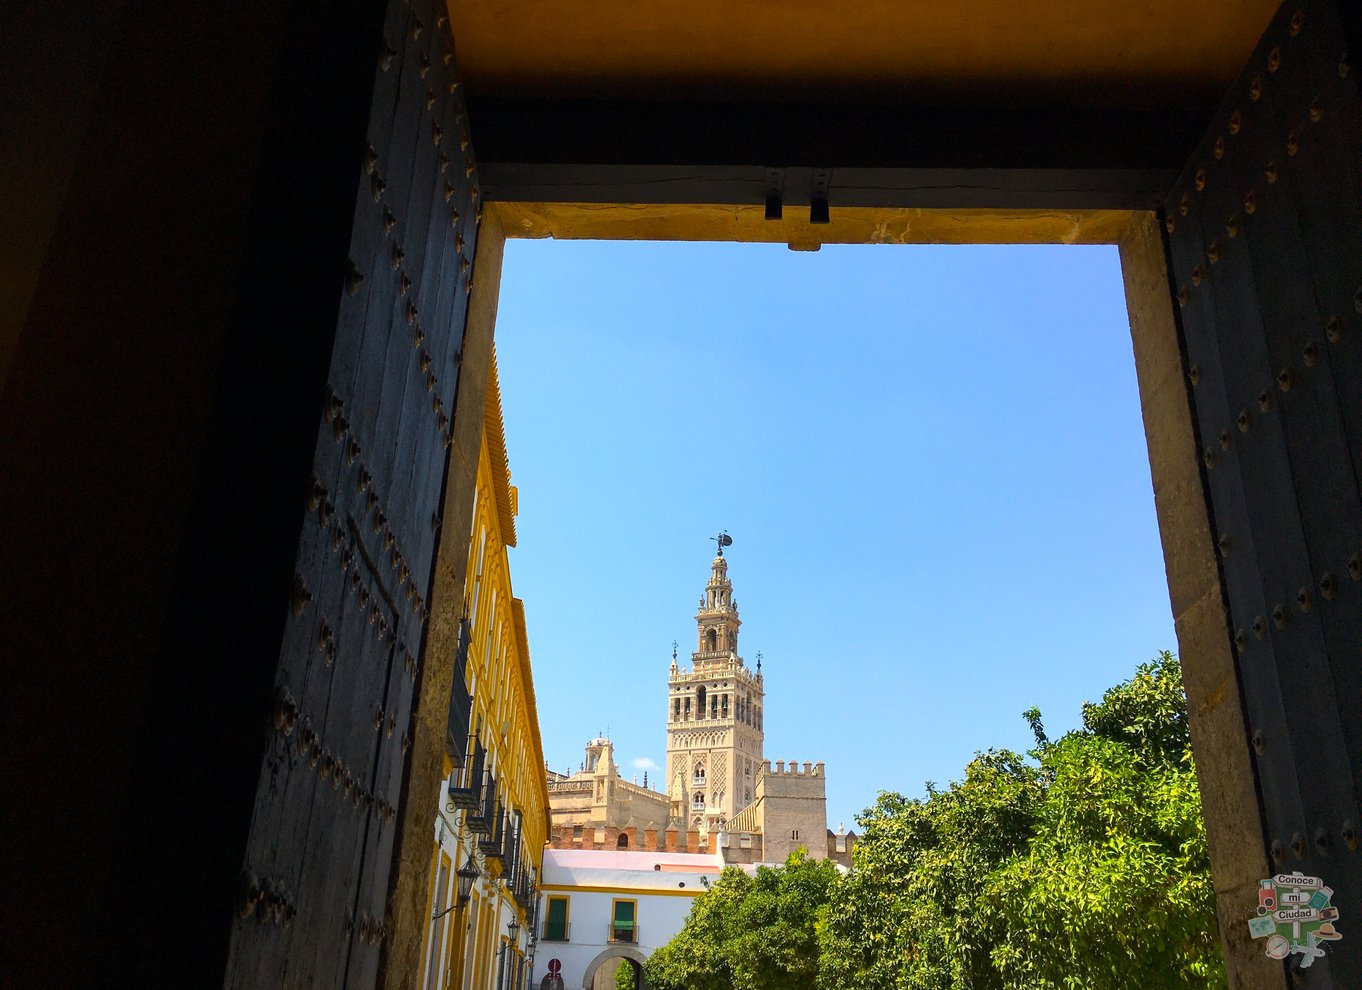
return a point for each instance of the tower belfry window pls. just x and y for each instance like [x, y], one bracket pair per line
[712, 639]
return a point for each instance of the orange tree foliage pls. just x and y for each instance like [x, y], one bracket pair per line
[1085, 866]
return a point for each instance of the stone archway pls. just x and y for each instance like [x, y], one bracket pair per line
[615, 952]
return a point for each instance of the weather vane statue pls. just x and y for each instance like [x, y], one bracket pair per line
[724, 540]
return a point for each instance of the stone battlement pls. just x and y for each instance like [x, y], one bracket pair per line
[794, 770]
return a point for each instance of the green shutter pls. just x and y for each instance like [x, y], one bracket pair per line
[624, 915]
[556, 925]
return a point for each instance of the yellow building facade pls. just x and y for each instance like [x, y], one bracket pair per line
[494, 811]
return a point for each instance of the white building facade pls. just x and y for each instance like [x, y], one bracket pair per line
[601, 909]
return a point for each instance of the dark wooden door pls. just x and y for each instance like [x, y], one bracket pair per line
[1264, 234]
[319, 860]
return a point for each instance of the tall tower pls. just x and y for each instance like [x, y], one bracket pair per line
[714, 716]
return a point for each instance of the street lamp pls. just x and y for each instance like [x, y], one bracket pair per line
[468, 875]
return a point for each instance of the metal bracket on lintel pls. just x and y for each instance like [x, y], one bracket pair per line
[818, 195]
[775, 192]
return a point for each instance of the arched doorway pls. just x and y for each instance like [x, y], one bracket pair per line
[618, 974]
[602, 972]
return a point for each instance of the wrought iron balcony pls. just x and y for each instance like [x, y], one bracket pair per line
[492, 845]
[622, 934]
[468, 794]
[523, 889]
[460, 703]
[482, 819]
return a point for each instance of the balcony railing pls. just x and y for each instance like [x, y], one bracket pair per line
[697, 782]
[522, 885]
[621, 934]
[699, 720]
[557, 933]
[460, 703]
[492, 845]
[482, 819]
[468, 793]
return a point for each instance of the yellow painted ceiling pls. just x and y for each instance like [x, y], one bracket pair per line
[1113, 52]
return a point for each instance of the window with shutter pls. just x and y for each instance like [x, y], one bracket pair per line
[623, 927]
[556, 921]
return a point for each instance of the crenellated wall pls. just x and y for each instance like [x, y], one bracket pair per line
[791, 809]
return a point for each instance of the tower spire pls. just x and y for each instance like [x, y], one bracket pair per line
[713, 771]
[717, 620]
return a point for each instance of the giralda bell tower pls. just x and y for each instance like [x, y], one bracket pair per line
[714, 715]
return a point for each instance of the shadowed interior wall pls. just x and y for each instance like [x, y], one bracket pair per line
[168, 439]
[56, 59]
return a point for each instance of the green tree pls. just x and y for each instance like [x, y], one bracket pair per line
[908, 914]
[1086, 868]
[1114, 889]
[624, 975]
[750, 932]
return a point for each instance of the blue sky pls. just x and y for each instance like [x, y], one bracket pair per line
[930, 459]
